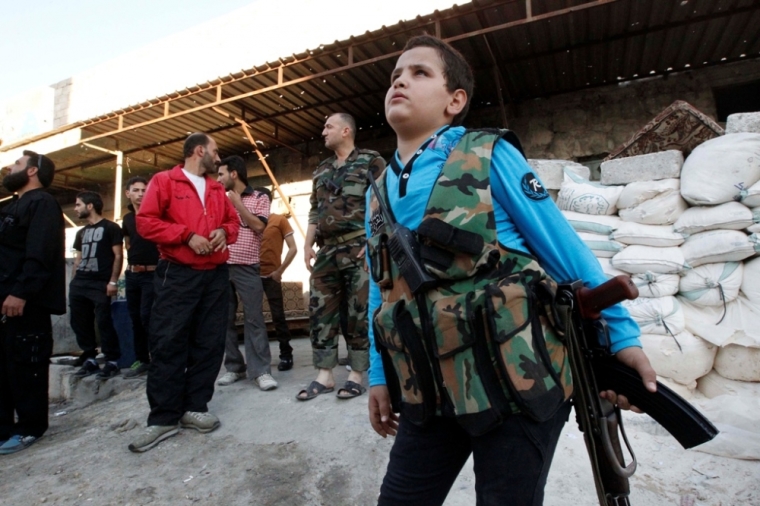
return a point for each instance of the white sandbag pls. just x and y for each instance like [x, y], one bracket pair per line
[686, 391]
[652, 285]
[736, 323]
[641, 259]
[591, 223]
[682, 358]
[635, 194]
[731, 216]
[718, 169]
[660, 236]
[583, 196]
[751, 280]
[661, 210]
[712, 284]
[713, 384]
[739, 363]
[716, 246]
[736, 420]
[608, 269]
[661, 315]
[601, 245]
[751, 196]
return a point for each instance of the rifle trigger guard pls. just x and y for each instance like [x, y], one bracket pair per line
[616, 461]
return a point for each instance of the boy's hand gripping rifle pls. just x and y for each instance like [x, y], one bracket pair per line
[595, 369]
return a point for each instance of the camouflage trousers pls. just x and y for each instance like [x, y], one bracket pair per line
[338, 275]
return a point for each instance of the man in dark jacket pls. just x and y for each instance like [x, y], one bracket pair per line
[189, 217]
[32, 287]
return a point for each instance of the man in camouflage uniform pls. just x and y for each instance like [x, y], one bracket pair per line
[336, 224]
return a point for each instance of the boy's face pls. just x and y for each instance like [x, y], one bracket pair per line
[418, 95]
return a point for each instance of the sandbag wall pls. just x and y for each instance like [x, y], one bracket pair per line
[687, 232]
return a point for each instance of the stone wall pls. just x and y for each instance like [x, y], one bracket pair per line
[595, 121]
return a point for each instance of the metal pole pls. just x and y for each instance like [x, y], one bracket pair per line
[117, 186]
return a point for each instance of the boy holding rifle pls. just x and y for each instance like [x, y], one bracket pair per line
[463, 335]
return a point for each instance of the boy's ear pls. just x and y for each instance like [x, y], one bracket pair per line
[457, 102]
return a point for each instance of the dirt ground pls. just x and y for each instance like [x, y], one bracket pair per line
[275, 450]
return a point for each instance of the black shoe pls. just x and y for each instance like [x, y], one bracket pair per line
[89, 368]
[285, 364]
[109, 371]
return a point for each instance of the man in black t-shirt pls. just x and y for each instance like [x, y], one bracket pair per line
[142, 257]
[32, 287]
[96, 271]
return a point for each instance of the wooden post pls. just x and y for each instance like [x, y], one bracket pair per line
[271, 176]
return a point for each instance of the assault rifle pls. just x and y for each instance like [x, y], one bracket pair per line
[595, 369]
[404, 249]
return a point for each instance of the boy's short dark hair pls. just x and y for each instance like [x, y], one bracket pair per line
[456, 70]
[235, 163]
[45, 167]
[93, 198]
[193, 141]
[136, 179]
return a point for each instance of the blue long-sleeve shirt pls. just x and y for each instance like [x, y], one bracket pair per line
[536, 227]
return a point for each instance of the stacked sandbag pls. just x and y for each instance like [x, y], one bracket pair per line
[551, 173]
[718, 170]
[721, 182]
[649, 205]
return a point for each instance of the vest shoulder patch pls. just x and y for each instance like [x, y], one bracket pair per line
[532, 187]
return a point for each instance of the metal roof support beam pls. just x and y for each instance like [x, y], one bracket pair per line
[272, 139]
[263, 161]
[119, 179]
[320, 75]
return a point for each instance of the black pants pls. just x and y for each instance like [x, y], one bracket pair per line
[89, 303]
[187, 330]
[511, 461]
[273, 291]
[26, 343]
[140, 293]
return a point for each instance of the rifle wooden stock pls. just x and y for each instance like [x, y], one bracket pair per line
[595, 369]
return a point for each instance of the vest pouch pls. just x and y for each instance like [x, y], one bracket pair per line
[465, 364]
[448, 252]
[405, 361]
[380, 261]
[517, 331]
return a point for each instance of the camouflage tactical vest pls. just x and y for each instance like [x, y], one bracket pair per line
[481, 346]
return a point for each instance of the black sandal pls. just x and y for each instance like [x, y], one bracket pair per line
[350, 390]
[315, 388]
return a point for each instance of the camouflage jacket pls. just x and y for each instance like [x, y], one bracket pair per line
[481, 345]
[338, 193]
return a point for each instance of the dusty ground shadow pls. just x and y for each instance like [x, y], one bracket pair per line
[275, 450]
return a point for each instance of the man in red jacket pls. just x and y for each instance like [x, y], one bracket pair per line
[189, 217]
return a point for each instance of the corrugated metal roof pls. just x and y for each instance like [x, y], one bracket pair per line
[559, 46]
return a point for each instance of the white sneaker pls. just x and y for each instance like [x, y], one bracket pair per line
[202, 422]
[230, 378]
[266, 382]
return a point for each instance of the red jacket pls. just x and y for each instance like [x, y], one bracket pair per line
[171, 212]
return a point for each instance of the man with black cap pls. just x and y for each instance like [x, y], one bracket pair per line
[32, 287]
